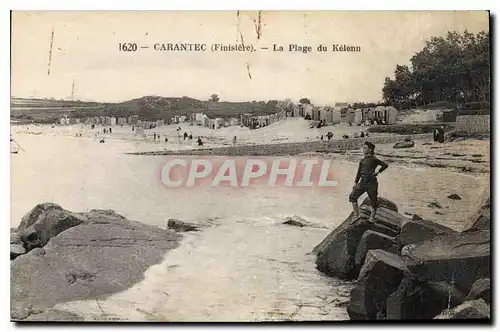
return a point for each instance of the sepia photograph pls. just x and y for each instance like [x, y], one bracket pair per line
[250, 166]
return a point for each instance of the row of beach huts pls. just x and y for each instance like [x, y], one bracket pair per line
[340, 112]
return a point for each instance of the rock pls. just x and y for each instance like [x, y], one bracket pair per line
[407, 213]
[454, 196]
[85, 262]
[459, 259]
[50, 222]
[373, 240]
[477, 309]
[335, 254]
[439, 213]
[16, 245]
[481, 289]
[416, 217]
[181, 226]
[434, 205]
[481, 220]
[107, 212]
[427, 143]
[417, 300]
[476, 155]
[54, 315]
[382, 202]
[36, 214]
[379, 277]
[422, 230]
[403, 145]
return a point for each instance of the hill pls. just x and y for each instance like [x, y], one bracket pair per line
[147, 108]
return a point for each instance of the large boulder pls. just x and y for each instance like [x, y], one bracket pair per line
[403, 145]
[374, 240]
[37, 214]
[415, 231]
[379, 277]
[336, 253]
[16, 245]
[44, 222]
[86, 261]
[481, 289]
[418, 300]
[477, 309]
[459, 259]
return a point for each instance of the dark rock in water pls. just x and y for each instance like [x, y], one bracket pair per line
[382, 202]
[300, 222]
[373, 240]
[476, 155]
[481, 289]
[407, 213]
[434, 205]
[296, 221]
[480, 220]
[54, 315]
[427, 143]
[439, 213]
[458, 155]
[422, 230]
[403, 145]
[379, 277]
[477, 309]
[181, 226]
[16, 245]
[50, 222]
[454, 196]
[417, 300]
[416, 217]
[459, 258]
[85, 262]
[335, 254]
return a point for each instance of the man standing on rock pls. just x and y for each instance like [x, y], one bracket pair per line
[366, 179]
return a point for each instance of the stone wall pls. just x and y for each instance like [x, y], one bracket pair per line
[286, 149]
[473, 124]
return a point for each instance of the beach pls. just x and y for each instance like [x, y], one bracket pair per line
[245, 265]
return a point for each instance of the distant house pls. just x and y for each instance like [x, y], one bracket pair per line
[387, 113]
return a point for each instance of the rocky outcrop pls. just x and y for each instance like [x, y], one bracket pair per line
[336, 254]
[481, 289]
[102, 253]
[380, 276]
[408, 269]
[374, 240]
[477, 309]
[44, 222]
[415, 231]
[481, 219]
[459, 258]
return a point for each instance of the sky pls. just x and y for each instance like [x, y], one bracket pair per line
[85, 51]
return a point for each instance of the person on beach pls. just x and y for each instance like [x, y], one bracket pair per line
[234, 140]
[366, 180]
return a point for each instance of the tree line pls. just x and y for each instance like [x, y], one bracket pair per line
[453, 69]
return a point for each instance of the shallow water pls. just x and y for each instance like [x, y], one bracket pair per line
[245, 265]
